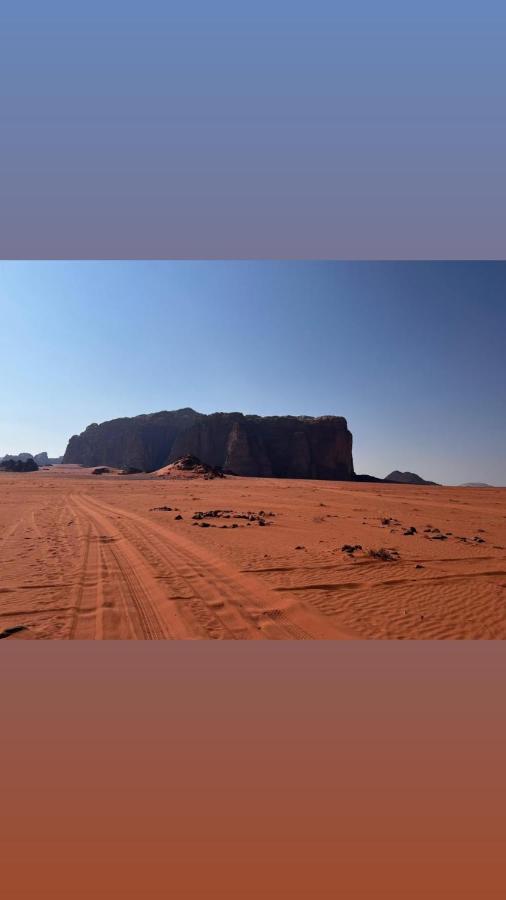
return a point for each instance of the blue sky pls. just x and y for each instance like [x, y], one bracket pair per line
[411, 353]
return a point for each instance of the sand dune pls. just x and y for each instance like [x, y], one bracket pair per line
[83, 557]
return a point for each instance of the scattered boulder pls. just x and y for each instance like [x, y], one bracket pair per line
[229, 514]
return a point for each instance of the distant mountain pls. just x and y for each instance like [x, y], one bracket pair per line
[42, 459]
[475, 484]
[20, 457]
[407, 478]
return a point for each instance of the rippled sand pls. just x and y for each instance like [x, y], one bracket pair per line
[90, 557]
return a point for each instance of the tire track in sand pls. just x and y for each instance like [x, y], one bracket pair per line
[200, 596]
[81, 621]
[118, 605]
[146, 567]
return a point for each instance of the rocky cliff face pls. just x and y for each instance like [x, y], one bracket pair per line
[281, 446]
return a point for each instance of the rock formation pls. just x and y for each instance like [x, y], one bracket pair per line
[281, 446]
[190, 466]
[16, 457]
[42, 459]
[407, 478]
[19, 465]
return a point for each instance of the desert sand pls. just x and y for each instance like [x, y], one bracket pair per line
[122, 557]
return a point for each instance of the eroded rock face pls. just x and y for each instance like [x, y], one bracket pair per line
[143, 442]
[281, 446]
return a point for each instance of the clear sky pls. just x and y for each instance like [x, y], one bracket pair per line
[413, 354]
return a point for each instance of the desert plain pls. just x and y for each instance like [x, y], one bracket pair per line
[138, 557]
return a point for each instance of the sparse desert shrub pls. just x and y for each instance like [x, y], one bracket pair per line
[383, 554]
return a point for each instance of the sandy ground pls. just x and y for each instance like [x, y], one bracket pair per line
[90, 557]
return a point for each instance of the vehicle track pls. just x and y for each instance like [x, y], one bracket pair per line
[200, 610]
[128, 610]
[193, 594]
[80, 621]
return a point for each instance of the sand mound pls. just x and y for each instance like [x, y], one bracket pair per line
[189, 467]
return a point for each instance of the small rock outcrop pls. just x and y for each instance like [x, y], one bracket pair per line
[190, 465]
[407, 478]
[271, 446]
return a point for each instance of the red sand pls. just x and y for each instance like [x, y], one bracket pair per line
[85, 556]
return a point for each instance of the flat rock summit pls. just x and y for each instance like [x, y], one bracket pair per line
[270, 446]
